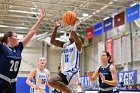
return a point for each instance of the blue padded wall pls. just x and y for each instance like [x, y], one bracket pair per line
[22, 87]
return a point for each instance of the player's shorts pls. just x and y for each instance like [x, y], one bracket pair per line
[38, 91]
[7, 87]
[110, 91]
[70, 76]
[64, 79]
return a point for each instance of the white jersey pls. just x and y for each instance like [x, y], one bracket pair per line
[41, 79]
[70, 62]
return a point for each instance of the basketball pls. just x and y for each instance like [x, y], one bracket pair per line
[69, 18]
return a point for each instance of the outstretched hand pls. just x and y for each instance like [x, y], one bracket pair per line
[90, 74]
[57, 23]
[43, 13]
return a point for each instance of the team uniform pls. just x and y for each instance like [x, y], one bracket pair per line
[10, 60]
[70, 64]
[103, 87]
[41, 80]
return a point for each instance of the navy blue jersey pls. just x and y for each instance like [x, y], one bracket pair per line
[10, 59]
[106, 72]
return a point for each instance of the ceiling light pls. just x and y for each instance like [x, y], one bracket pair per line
[20, 27]
[22, 24]
[93, 13]
[61, 31]
[111, 2]
[10, 6]
[34, 4]
[105, 18]
[104, 7]
[3, 26]
[33, 8]
[14, 27]
[98, 11]
[85, 14]
[19, 11]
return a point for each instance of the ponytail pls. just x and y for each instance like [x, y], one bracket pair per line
[5, 37]
[1, 40]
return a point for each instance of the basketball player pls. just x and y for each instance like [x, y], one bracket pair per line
[69, 60]
[10, 56]
[41, 75]
[107, 74]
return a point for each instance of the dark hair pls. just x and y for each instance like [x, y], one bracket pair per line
[1, 39]
[108, 55]
[5, 37]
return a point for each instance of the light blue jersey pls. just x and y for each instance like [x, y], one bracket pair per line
[70, 62]
[41, 80]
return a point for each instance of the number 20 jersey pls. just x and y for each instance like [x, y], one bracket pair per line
[10, 59]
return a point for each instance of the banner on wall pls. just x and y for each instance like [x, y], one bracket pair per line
[84, 80]
[108, 24]
[136, 48]
[127, 77]
[126, 49]
[109, 47]
[117, 51]
[133, 13]
[98, 29]
[119, 19]
[89, 33]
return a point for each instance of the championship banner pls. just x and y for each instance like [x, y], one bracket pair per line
[133, 13]
[109, 47]
[89, 33]
[98, 29]
[127, 77]
[119, 19]
[108, 24]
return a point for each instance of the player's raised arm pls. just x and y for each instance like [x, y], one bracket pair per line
[53, 38]
[32, 31]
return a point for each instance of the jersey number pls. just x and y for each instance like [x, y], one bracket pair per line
[66, 58]
[14, 65]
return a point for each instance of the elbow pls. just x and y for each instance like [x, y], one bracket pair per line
[27, 81]
[52, 41]
[116, 83]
